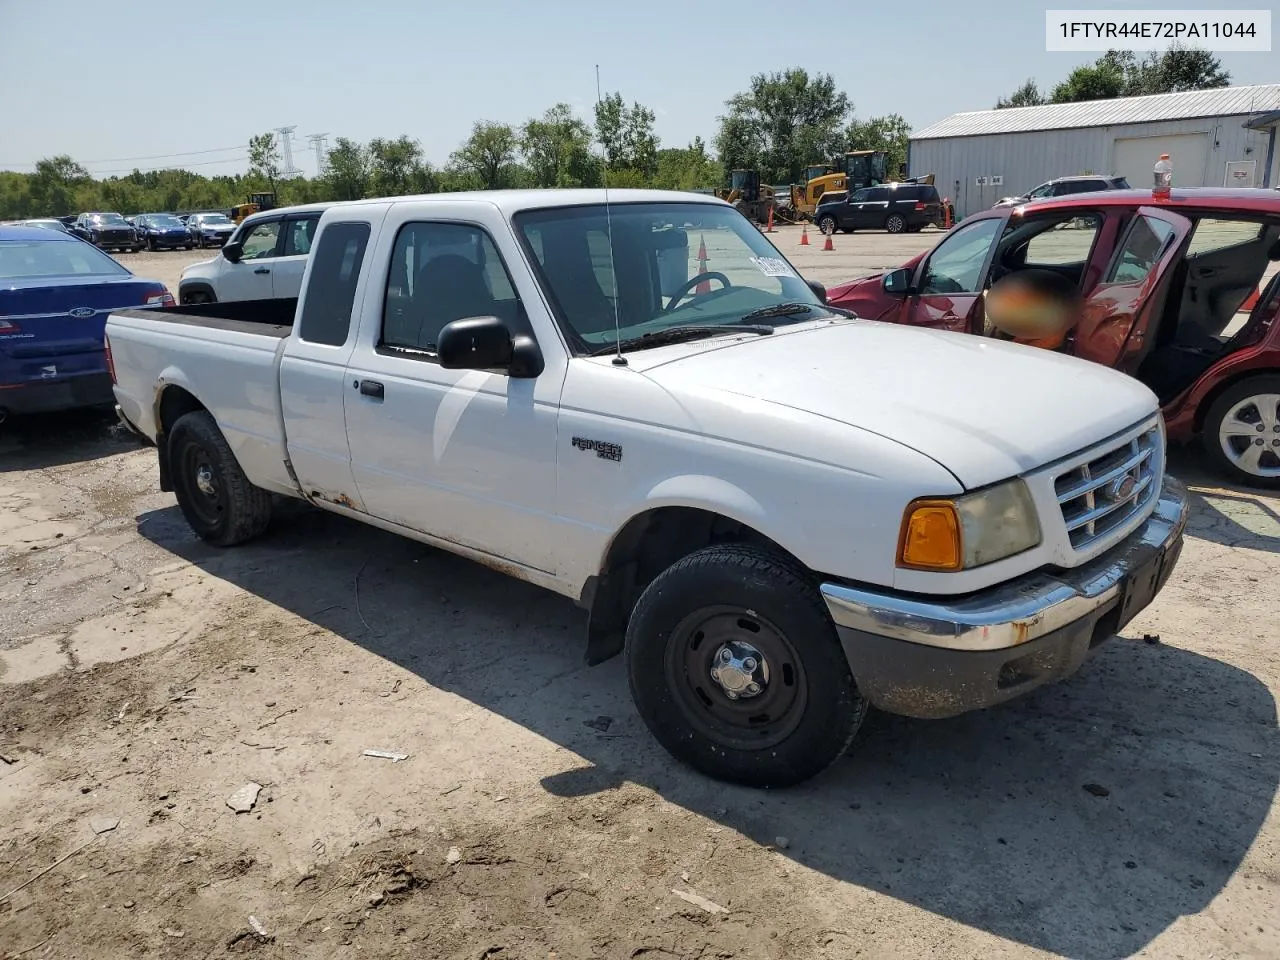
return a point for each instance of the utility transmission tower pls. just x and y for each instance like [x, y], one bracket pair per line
[286, 148]
[319, 145]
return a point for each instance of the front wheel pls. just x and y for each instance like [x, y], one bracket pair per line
[215, 496]
[827, 225]
[735, 667]
[1242, 432]
[896, 223]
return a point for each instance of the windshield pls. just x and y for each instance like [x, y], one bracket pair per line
[107, 218]
[54, 258]
[652, 278]
[162, 221]
[215, 219]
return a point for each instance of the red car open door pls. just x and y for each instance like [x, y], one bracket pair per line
[949, 282]
[1122, 307]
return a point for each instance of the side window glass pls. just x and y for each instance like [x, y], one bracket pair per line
[956, 264]
[297, 238]
[441, 272]
[261, 241]
[1142, 248]
[1213, 235]
[331, 289]
[877, 195]
[1063, 243]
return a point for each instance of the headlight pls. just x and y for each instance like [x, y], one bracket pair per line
[964, 532]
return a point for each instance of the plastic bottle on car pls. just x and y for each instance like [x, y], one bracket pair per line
[1163, 172]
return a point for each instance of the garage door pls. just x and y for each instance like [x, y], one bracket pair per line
[1135, 156]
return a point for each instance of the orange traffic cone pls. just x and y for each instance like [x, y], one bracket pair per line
[769, 228]
[804, 235]
[946, 214]
[705, 285]
[827, 244]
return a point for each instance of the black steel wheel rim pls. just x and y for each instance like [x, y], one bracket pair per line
[755, 722]
[202, 485]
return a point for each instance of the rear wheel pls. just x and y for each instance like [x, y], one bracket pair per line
[1242, 432]
[215, 496]
[196, 296]
[827, 224]
[736, 669]
[895, 223]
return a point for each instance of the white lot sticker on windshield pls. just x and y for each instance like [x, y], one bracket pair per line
[773, 266]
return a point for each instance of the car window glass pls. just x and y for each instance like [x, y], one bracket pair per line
[261, 241]
[1141, 250]
[859, 196]
[331, 288]
[441, 272]
[1067, 242]
[54, 258]
[297, 239]
[1211, 235]
[1040, 191]
[877, 195]
[956, 264]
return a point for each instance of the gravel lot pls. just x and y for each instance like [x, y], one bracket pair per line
[145, 677]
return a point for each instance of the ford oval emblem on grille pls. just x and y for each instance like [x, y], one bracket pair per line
[1121, 488]
[80, 313]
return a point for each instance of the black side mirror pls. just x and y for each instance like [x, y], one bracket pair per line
[487, 343]
[897, 282]
[233, 251]
[819, 290]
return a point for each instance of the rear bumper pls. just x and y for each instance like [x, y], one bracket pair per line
[47, 396]
[929, 659]
[129, 425]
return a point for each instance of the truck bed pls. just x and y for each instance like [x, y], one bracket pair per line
[268, 318]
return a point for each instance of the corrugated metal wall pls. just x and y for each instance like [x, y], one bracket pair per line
[1028, 159]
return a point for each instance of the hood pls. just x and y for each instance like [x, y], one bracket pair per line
[984, 409]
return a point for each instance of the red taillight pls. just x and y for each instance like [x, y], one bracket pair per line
[162, 299]
[8, 326]
[919, 205]
[111, 367]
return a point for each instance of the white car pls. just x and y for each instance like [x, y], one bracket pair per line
[263, 259]
[780, 514]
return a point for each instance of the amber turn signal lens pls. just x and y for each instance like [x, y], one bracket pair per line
[930, 538]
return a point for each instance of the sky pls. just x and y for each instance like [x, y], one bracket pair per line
[160, 83]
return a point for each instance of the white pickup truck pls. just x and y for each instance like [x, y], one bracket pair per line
[780, 514]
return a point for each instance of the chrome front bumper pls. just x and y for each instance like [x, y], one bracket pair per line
[938, 658]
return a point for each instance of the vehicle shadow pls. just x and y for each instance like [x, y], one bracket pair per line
[1083, 820]
[1224, 513]
[57, 439]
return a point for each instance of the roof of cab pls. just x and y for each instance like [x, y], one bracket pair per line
[1228, 199]
[35, 233]
[513, 201]
[299, 208]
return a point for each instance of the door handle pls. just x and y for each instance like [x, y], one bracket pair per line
[262, 270]
[371, 388]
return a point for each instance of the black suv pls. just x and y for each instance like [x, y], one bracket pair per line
[896, 207]
[1067, 185]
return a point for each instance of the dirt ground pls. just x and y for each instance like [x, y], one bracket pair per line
[146, 677]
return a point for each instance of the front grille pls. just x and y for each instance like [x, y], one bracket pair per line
[1103, 494]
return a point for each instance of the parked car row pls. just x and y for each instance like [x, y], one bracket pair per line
[154, 231]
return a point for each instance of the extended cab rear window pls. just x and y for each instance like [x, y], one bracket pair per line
[331, 288]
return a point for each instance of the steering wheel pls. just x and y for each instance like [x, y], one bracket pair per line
[697, 278]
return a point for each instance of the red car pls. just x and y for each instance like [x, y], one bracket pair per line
[1182, 293]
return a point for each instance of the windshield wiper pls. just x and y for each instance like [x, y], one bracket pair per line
[781, 310]
[658, 338]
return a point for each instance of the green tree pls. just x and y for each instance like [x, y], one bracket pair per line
[783, 122]
[487, 158]
[891, 134]
[264, 158]
[397, 166]
[1176, 70]
[557, 150]
[348, 169]
[1027, 95]
[1101, 80]
[687, 168]
[55, 185]
[626, 133]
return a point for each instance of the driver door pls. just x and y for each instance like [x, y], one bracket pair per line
[1120, 311]
[948, 286]
[250, 277]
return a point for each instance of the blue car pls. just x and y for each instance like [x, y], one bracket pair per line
[55, 294]
[162, 231]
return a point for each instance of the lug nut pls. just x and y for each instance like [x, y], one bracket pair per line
[748, 664]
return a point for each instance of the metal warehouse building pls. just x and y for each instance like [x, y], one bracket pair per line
[1216, 137]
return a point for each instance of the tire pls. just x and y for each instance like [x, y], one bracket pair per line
[151, 244]
[196, 296]
[827, 225]
[895, 223]
[1243, 414]
[199, 461]
[733, 593]
[186, 246]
